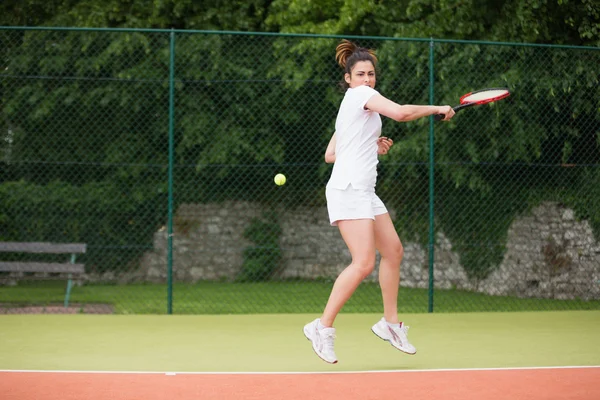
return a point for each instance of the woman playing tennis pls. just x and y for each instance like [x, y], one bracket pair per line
[353, 206]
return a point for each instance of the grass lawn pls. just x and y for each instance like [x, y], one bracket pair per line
[272, 297]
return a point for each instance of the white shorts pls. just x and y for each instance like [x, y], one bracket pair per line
[352, 203]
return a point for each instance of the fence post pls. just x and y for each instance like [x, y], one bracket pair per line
[431, 243]
[171, 145]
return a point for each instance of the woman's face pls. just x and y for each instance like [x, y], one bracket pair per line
[363, 73]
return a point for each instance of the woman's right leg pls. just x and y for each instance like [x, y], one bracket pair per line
[359, 236]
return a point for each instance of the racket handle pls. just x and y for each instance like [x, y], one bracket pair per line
[439, 117]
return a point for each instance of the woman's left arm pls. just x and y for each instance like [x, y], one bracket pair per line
[384, 144]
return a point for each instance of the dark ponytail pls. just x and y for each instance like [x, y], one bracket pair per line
[347, 54]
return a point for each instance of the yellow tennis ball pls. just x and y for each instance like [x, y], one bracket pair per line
[279, 179]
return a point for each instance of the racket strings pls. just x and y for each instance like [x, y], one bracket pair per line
[484, 95]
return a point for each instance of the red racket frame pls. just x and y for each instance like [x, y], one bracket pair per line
[463, 105]
[485, 101]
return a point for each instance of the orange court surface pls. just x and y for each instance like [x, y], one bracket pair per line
[576, 383]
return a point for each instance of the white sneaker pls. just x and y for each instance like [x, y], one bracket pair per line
[396, 336]
[322, 341]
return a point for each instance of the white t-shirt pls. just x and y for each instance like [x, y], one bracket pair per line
[356, 132]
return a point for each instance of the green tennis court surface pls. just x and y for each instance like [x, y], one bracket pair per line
[249, 343]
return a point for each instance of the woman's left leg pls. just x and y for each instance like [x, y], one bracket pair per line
[390, 248]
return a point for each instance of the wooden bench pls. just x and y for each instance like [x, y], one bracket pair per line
[70, 268]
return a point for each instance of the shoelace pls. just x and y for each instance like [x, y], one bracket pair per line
[402, 332]
[328, 340]
[403, 328]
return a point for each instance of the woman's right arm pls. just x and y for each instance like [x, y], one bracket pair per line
[330, 152]
[408, 112]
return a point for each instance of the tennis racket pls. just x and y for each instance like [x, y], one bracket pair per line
[478, 97]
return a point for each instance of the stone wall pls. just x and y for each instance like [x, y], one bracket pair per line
[549, 253]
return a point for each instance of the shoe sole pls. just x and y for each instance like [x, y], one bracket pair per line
[318, 355]
[390, 342]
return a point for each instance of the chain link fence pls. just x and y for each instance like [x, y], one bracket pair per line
[157, 150]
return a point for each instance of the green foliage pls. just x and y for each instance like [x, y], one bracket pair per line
[117, 224]
[262, 259]
[586, 200]
[31, 12]
[542, 21]
[246, 15]
[539, 21]
[90, 109]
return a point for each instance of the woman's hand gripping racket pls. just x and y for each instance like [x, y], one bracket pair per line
[477, 98]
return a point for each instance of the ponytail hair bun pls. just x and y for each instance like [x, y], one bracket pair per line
[347, 54]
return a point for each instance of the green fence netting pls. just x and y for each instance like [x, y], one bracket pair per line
[157, 149]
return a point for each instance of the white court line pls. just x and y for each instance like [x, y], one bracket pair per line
[299, 372]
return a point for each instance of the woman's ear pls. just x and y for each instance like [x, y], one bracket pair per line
[347, 78]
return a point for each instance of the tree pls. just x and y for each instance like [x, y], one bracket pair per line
[486, 171]
[90, 109]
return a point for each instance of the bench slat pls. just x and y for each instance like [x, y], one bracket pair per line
[41, 267]
[42, 247]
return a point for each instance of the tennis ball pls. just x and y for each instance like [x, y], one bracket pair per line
[279, 179]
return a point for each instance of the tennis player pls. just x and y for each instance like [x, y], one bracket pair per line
[353, 206]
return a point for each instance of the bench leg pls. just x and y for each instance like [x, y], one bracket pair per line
[68, 293]
[69, 284]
